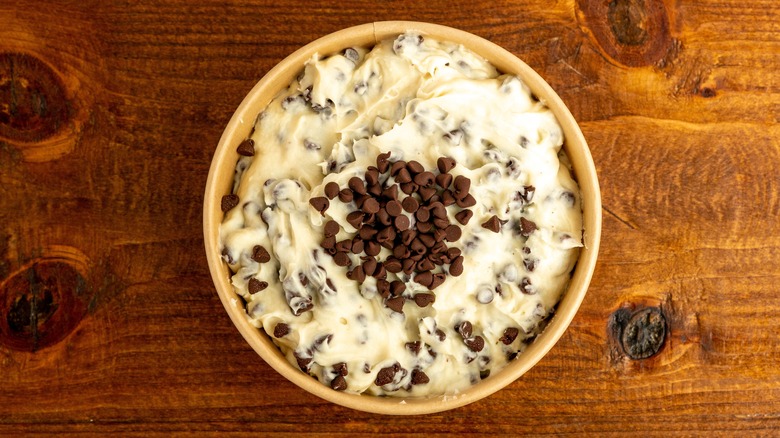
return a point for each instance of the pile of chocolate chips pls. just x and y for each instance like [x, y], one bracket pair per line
[414, 228]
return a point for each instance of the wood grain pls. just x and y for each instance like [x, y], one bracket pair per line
[109, 114]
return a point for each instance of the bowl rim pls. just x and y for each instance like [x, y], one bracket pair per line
[240, 126]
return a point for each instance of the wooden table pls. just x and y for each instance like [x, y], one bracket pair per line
[110, 113]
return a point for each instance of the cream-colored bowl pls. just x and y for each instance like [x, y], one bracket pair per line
[220, 180]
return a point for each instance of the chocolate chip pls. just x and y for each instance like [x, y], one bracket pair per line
[397, 288]
[509, 336]
[462, 186]
[328, 242]
[447, 198]
[390, 193]
[425, 179]
[344, 245]
[444, 180]
[476, 344]
[341, 259]
[382, 162]
[356, 185]
[260, 254]
[386, 375]
[441, 223]
[246, 148]
[341, 369]
[320, 203]
[357, 245]
[339, 383]
[355, 218]
[396, 304]
[372, 248]
[396, 167]
[424, 278]
[358, 274]
[456, 267]
[410, 204]
[426, 193]
[425, 265]
[394, 208]
[445, 164]
[303, 362]
[415, 167]
[385, 235]
[403, 176]
[366, 232]
[346, 195]
[492, 224]
[370, 206]
[463, 216]
[254, 286]
[452, 233]
[372, 176]
[228, 202]
[525, 195]
[414, 346]
[419, 377]
[530, 264]
[281, 330]
[331, 190]
[401, 223]
[369, 266]
[331, 228]
[423, 214]
[424, 299]
[409, 188]
[467, 201]
[441, 335]
[527, 227]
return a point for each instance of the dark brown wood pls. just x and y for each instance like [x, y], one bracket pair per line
[109, 115]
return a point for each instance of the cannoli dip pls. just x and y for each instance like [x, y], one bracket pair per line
[403, 219]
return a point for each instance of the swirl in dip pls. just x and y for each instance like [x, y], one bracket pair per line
[403, 219]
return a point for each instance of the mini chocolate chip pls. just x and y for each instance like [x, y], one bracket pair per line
[414, 346]
[492, 224]
[462, 186]
[441, 223]
[382, 162]
[385, 235]
[438, 235]
[418, 246]
[410, 204]
[328, 242]
[453, 233]
[425, 265]
[320, 203]
[254, 286]
[396, 304]
[456, 267]
[527, 227]
[355, 218]
[424, 227]
[415, 167]
[281, 330]
[366, 232]
[408, 266]
[360, 199]
[401, 252]
[425, 179]
[246, 148]
[464, 328]
[397, 288]
[447, 198]
[393, 265]
[445, 164]
[530, 264]
[346, 195]
[303, 362]
[386, 375]
[357, 245]
[401, 223]
[370, 206]
[438, 210]
[331, 190]
[467, 202]
[383, 287]
[424, 299]
[464, 216]
[441, 335]
[383, 217]
[444, 180]
[375, 189]
[341, 369]
[509, 336]
[403, 176]
[358, 274]
[423, 214]
[341, 259]
[394, 208]
[424, 278]
[419, 377]
[427, 240]
[339, 383]
[396, 167]
[357, 185]
[475, 344]
[426, 193]
[380, 272]
[372, 176]
[344, 245]
[331, 228]
[304, 279]
[452, 253]
[228, 202]
[260, 254]
[439, 247]
[526, 287]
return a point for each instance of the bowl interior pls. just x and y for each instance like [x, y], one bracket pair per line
[221, 176]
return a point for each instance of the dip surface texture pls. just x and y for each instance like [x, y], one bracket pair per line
[411, 99]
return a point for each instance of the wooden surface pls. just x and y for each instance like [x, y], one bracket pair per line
[109, 115]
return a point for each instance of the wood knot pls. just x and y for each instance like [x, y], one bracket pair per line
[640, 333]
[41, 304]
[33, 104]
[632, 33]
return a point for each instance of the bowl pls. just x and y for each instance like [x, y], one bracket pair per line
[220, 181]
